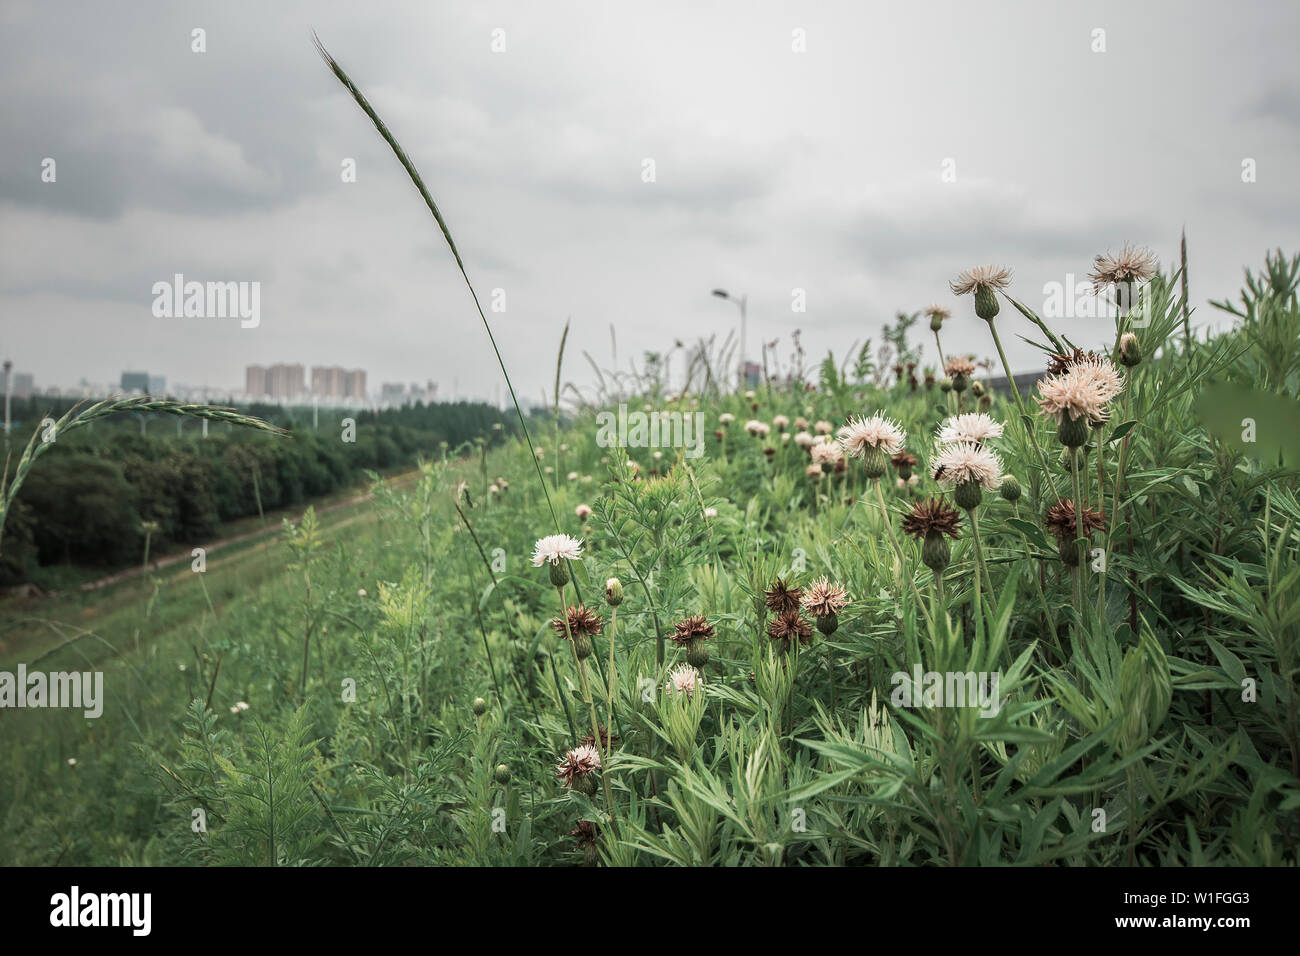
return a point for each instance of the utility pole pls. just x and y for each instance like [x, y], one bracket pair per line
[8, 367]
[743, 303]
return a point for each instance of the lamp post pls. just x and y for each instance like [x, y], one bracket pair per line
[742, 302]
[8, 366]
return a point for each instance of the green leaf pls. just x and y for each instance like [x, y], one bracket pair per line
[1030, 531]
[1122, 429]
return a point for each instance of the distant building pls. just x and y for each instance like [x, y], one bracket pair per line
[255, 381]
[286, 382]
[157, 385]
[135, 382]
[327, 381]
[23, 385]
[398, 394]
[334, 381]
[752, 372]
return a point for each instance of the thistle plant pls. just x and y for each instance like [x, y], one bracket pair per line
[969, 469]
[578, 625]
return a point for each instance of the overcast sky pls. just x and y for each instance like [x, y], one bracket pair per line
[775, 170]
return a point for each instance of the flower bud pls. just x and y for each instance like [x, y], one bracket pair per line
[1069, 552]
[1072, 432]
[559, 573]
[502, 774]
[936, 323]
[697, 653]
[977, 389]
[968, 495]
[945, 384]
[613, 592]
[986, 302]
[959, 382]
[480, 706]
[582, 646]
[828, 624]
[935, 552]
[1130, 352]
[873, 462]
[1010, 488]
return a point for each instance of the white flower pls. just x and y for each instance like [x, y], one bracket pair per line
[726, 418]
[823, 427]
[780, 421]
[826, 453]
[556, 548]
[683, 679]
[861, 435]
[973, 427]
[72, 761]
[803, 439]
[361, 592]
[583, 511]
[573, 476]
[1131, 264]
[756, 428]
[963, 462]
[1082, 391]
[994, 277]
[710, 512]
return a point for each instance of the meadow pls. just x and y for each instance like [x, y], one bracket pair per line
[889, 616]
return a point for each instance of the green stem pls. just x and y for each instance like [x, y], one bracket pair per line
[1101, 505]
[1076, 462]
[591, 707]
[979, 571]
[1020, 407]
[898, 551]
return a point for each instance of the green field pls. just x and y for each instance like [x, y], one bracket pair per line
[1147, 715]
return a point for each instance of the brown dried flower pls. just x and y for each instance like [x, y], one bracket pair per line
[781, 598]
[581, 621]
[931, 515]
[692, 628]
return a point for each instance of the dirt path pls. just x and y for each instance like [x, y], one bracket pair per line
[396, 481]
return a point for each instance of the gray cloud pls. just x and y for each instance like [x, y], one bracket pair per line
[775, 170]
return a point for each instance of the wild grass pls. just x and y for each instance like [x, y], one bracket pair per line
[1146, 710]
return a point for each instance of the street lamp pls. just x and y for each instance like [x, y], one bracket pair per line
[742, 302]
[8, 366]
